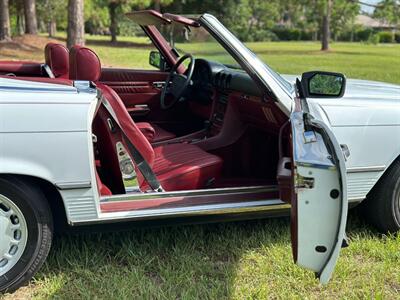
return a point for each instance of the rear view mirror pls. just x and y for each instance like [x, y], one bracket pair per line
[157, 60]
[320, 84]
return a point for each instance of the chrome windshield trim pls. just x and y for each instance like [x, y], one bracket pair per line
[190, 193]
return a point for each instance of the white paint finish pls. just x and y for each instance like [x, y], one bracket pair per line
[317, 212]
[321, 220]
[46, 132]
[30, 87]
[370, 146]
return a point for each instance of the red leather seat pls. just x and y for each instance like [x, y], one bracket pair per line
[82, 73]
[154, 133]
[57, 58]
[177, 166]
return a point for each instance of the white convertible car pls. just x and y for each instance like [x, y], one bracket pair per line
[195, 138]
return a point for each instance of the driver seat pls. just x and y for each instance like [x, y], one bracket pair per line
[84, 64]
[176, 166]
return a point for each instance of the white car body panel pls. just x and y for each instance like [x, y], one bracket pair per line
[45, 132]
[367, 120]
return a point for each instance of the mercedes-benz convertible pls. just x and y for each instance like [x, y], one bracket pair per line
[227, 138]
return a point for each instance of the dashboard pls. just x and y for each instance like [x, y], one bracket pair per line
[209, 76]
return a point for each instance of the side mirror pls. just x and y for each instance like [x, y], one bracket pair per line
[157, 60]
[320, 84]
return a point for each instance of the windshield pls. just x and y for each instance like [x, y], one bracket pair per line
[196, 41]
[201, 44]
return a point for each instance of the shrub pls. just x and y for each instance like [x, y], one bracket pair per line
[263, 35]
[363, 35]
[386, 37]
[287, 34]
[397, 37]
[373, 39]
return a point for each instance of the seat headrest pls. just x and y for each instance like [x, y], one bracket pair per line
[84, 64]
[57, 58]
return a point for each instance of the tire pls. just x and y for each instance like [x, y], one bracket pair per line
[382, 206]
[31, 215]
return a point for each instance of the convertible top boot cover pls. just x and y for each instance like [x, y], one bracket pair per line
[177, 166]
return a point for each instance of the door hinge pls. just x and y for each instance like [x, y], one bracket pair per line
[309, 137]
[304, 182]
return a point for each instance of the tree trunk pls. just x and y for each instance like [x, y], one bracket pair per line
[157, 5]
[326, 32]
[19, 7]
[5, 33]
[112, 10]
[76, 26]
[30, 17]
[52, 28]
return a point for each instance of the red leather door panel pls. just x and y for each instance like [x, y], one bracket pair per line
[134, 86]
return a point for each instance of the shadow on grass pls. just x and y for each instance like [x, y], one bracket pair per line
[196, 261]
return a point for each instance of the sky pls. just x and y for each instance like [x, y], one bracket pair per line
[369, 9]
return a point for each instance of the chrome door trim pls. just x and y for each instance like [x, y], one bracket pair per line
[189, 193]
[73, 185]
[366, 169]
[270, 205]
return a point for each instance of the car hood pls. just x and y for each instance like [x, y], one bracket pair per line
[365, 89]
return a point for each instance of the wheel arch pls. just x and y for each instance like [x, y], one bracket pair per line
[51, 194]
[384, 174]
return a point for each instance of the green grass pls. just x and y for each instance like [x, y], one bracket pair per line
[242, 260]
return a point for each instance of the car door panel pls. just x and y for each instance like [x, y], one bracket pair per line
[318, 194]
[138, 89]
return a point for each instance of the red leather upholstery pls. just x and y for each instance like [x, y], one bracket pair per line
[147, 130]
[177, 166]
[161, 134]
[154, 133]
[185, 167]
[57, 58]
[21, 68]
[84, 64]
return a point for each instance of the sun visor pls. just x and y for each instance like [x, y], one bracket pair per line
[182, 20]
[148, 17]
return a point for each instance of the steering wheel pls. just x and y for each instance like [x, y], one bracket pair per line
[176, 84]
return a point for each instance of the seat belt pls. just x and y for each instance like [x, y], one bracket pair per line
[137, 157]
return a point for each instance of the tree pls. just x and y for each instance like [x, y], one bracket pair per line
[5, 32]
[52, 13]
[76, 26]
[326, 30]
[30, 17]
[388, 11]
[116, 8]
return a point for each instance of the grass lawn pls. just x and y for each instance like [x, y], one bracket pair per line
[241, 260]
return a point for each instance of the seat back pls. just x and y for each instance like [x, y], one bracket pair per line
[85, 65]
[57, 59]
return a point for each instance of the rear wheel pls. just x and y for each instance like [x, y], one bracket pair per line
[382, 206]
[25, 232]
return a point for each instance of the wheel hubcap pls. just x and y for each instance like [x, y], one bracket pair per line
[13, 234]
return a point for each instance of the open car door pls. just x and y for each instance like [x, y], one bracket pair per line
[318, 193]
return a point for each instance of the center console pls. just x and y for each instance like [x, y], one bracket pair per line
[218, 115]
